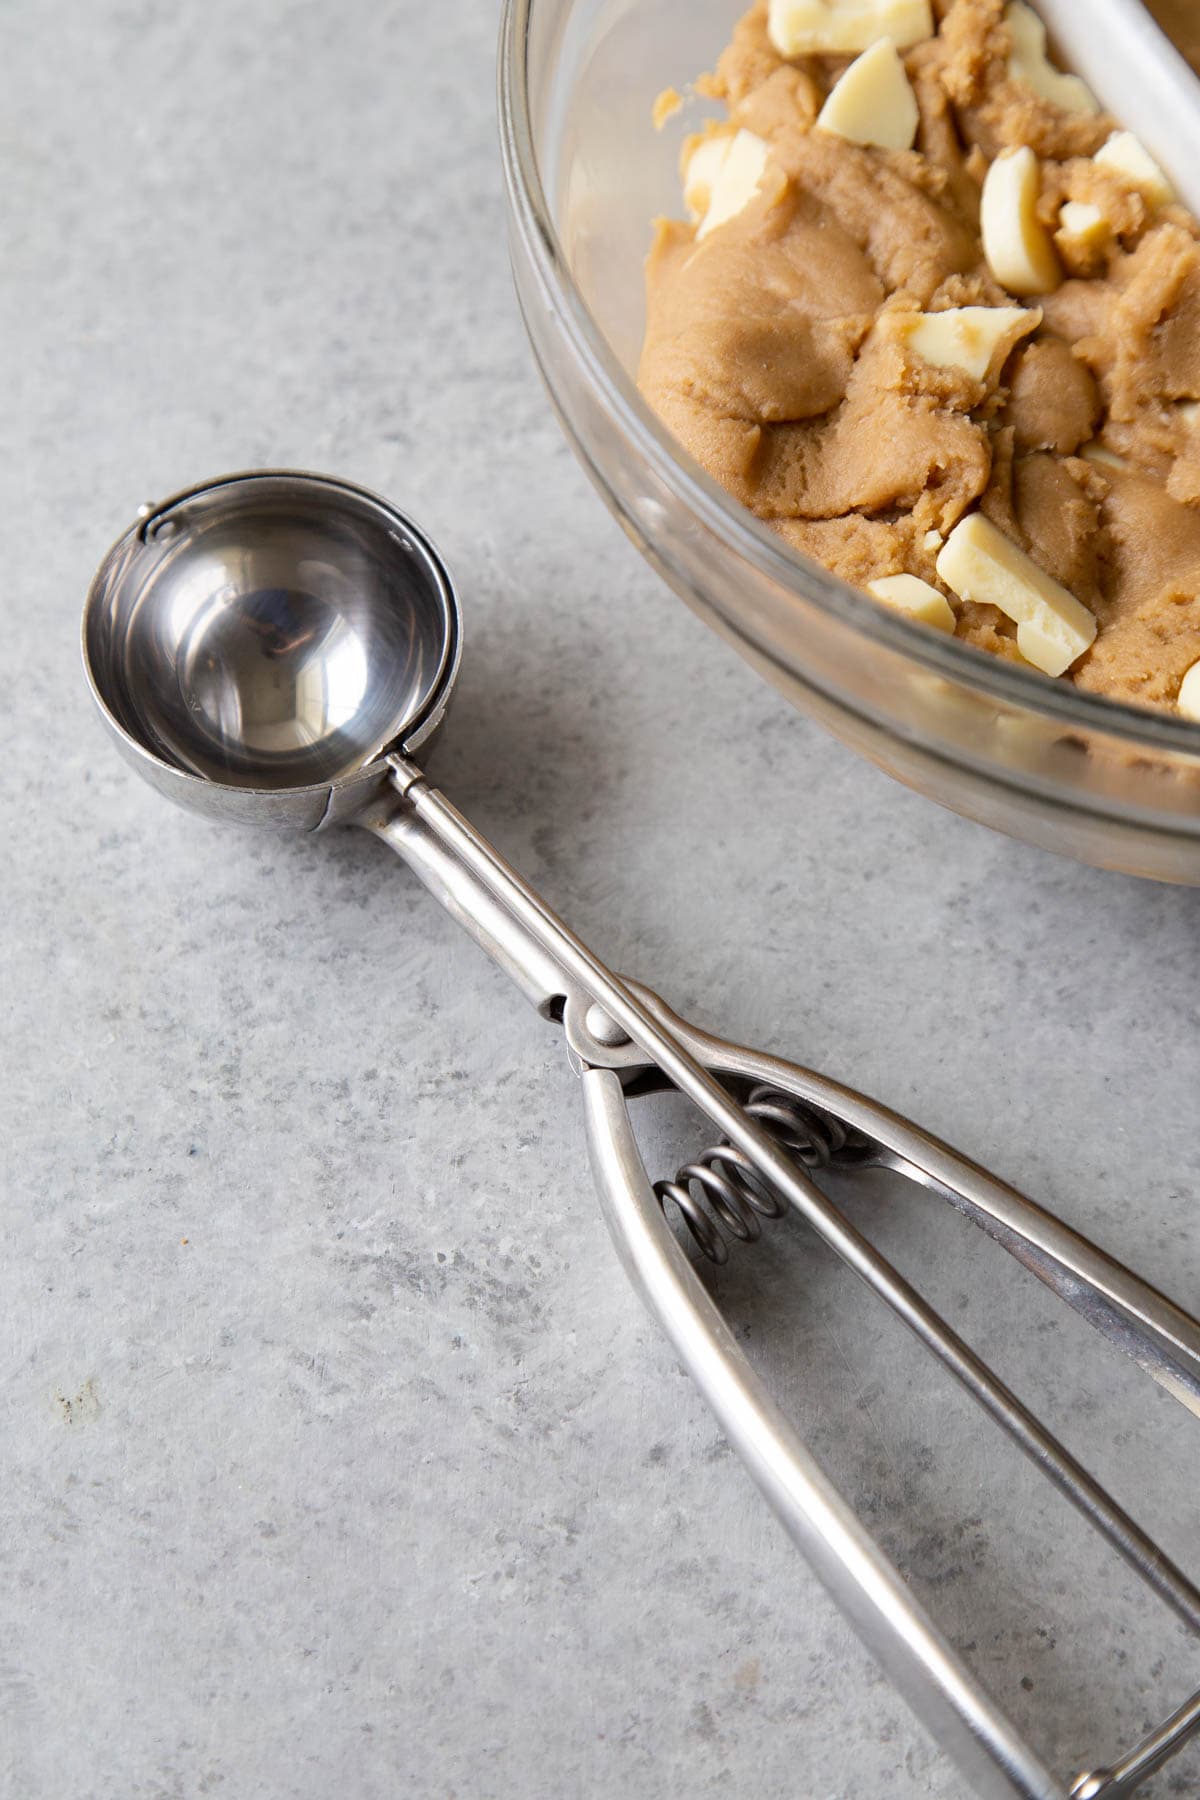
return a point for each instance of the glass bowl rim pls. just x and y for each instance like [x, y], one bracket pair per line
[737, 527]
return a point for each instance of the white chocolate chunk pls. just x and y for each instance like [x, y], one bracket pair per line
[1129, 158]
[1189, 412]
[701, 170]
[966, 337]
[933, 541]
[910, 595]
[843, 27]
[1052, 654]
[1084, 229]
[1028, 62]
[736, 182]
[1189, 694]
[873, 102]
[1082, 226]
[1107, 459]
[1019, 249]
[984, 566]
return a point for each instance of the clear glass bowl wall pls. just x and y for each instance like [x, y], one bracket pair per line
[586, 173]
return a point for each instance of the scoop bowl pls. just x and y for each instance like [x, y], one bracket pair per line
[258, 645]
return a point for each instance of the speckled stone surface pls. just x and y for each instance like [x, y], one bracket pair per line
[338, 1458]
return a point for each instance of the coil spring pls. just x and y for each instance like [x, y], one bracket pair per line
[722, 1191]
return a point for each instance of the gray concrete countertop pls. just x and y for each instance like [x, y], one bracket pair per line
[338, 1456]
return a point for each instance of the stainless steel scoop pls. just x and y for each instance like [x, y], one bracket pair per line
[272, 649]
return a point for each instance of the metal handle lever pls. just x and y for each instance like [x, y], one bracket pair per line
[937, 1684]
[1134, 1316]
[974, 1731]
[623, 1039]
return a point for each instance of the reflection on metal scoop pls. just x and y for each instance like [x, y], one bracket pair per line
[273, 648]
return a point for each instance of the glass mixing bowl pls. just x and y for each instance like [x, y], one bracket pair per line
[586, 173]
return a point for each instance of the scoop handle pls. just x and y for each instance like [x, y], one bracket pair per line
[525, 959]
[635, 1036]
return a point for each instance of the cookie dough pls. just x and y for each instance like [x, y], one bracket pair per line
[796, 348]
